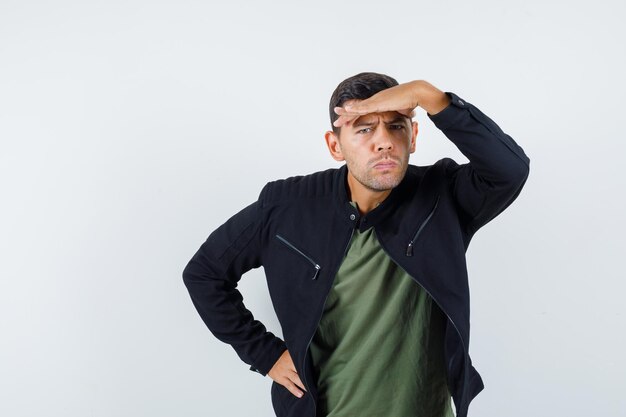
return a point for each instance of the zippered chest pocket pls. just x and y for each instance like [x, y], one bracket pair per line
[315, 265]
[409, 248]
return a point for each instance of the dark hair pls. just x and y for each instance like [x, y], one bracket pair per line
[360, 87]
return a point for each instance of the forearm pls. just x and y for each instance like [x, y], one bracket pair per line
[221, 307]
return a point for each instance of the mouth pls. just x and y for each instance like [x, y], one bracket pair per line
[385, 164]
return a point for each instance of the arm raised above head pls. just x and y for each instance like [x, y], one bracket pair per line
[497, 169]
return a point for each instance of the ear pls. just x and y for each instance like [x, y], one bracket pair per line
[332, 141]
[413, 136]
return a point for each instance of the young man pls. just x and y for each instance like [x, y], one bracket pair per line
[365, 264]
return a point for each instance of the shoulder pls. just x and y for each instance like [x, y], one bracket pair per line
[316, 184]
[435, 176]
[439, 168]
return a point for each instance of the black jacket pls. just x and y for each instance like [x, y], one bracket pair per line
[299, 230]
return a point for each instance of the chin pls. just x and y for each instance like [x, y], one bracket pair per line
[386, 183]
[393, 175]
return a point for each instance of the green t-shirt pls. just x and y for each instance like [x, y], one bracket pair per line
[378, 350]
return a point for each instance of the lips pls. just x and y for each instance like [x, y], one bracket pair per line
[386, 164]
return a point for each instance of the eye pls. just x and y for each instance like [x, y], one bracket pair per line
[400, 126]
[363, 130]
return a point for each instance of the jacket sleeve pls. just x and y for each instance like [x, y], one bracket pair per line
[211, 278]
[497, 168]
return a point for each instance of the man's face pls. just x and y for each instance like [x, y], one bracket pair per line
[376, 148]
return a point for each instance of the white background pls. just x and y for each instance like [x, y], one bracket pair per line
[129, 130]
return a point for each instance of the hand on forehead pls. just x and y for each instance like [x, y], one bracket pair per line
[348, 113]
[399, 98]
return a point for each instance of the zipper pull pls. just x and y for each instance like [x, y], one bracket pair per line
[317, 270]
[409, 249]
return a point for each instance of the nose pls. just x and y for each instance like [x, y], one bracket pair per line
[383, 141]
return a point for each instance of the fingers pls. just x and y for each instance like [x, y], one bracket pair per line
[293, 388]
[344, 120]
[360, 109]
[347, 111]
[284, 372]
[295, 378]
[348, 116]
[293, 383]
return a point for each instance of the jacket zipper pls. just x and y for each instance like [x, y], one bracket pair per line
[317, 322]
[315, 264]
[409, 248]
[431, 296]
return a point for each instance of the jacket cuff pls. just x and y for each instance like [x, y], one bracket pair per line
[448, 116]
[267, 360]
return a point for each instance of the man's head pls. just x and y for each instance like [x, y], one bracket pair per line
[375, 146]
[358, 87]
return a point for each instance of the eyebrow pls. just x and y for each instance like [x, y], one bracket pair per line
[360, 122]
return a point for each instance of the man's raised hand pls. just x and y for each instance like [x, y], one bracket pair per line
[402, 98]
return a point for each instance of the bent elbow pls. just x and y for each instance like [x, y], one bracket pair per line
[188, 274]
[518, 172]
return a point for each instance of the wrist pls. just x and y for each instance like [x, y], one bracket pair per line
[429, 97]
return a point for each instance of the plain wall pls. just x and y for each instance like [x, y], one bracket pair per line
[129, 130]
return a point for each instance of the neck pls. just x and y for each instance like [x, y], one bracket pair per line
[365, 198]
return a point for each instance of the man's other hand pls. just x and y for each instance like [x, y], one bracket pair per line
[284, 372]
